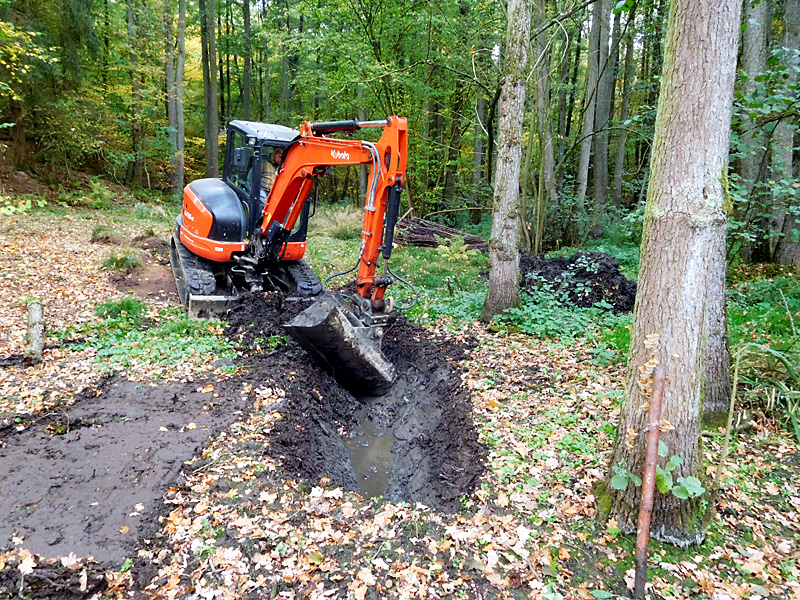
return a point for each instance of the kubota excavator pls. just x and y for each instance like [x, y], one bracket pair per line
[234, 235]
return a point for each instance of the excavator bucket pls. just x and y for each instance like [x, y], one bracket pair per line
[351, 351]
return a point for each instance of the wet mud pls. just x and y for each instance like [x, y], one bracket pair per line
[416, 443]
[90, 478]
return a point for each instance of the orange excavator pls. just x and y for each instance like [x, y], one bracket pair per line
[248, 232]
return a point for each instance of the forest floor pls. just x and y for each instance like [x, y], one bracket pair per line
[136, 464]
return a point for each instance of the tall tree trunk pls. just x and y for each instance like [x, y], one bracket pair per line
[171, 91]
[137, 134]
[503, 251]
[180, 136]
[684, 222]
[563, 92]
[605, 100]
[590, 102]
[207, 12]
[285, 98]
[476, 213]
[622, 138]
[267, 104]
[755, 50]
[783, 141]
[717, 375]
[547, 197]
[248, 49]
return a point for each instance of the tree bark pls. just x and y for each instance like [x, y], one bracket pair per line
[180, 123]
[783, 142]
[684, 220]
[137, 134]
[248, 49]
[207, 12]
[717, 376]
[503, 251]
[36, 328]
[590, 103]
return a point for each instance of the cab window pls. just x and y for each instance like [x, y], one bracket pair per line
[241, 160]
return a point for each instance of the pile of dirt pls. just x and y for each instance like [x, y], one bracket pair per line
[416, 443]
[585, 278]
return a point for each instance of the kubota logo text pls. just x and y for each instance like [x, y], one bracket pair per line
[341, 155]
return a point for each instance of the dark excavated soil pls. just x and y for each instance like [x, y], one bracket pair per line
[429, 439]
[89, 478]
[585, 277]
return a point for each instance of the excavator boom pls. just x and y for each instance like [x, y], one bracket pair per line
[344, 334]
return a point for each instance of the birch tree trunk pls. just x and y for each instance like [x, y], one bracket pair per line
[503, 251]
[684, 221]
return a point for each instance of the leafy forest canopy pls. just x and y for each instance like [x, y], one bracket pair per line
[88, 84]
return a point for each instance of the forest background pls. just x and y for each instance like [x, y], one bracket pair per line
[121, 90]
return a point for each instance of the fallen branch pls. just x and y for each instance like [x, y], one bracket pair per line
[422, 233]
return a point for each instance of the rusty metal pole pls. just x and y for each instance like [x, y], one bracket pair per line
[648, 481]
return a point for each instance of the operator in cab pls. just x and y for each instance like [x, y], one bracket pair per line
[269, 169]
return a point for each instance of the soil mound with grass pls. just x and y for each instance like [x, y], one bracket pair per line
[416, 443]
[586, 278]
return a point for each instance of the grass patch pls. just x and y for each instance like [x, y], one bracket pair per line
[343, 222]
[126, 262]
[128, 337]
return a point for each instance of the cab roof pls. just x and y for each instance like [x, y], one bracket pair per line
[266, 131]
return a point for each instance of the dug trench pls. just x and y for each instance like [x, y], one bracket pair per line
[89, 478]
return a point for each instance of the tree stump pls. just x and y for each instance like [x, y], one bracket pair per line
[36, 327]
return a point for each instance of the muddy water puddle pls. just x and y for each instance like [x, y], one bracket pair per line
[381, 429]
[370, 447]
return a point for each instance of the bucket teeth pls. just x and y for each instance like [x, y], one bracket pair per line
[344, 346]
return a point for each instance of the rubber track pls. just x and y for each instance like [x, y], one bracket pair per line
[197, 273]
[307, 282]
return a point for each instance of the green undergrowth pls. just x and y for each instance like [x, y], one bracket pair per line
[129, 335]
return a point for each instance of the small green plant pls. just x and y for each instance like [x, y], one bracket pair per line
[455, 249]
[126, 262]
[99, 196]
[24, 203]
[128, 307]
[338, 222]
[622, 476]
[126, 566]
